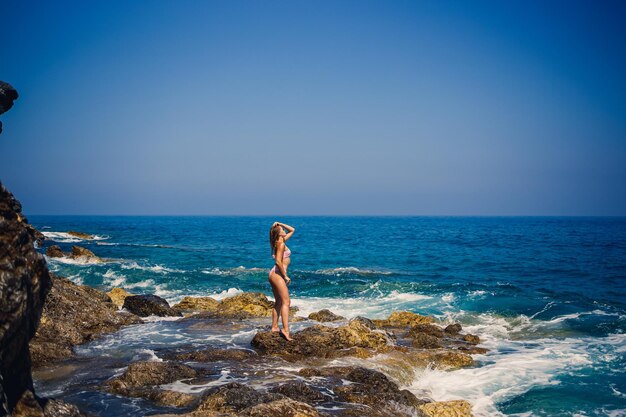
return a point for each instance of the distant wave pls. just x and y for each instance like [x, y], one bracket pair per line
[232, 271]
[350, 270]
[64, 237]
[152, 268]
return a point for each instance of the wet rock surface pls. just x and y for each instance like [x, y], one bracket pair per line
[72, 315]
[149, 305]
[210, 355]
[458, 408]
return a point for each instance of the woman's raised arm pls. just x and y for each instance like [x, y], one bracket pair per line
[290, 231]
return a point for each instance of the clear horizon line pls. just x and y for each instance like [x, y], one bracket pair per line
[334, 215]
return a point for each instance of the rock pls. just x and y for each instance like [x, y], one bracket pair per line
[212, 355]
[234, 397]
[300, 391]
[148, 305]
[472, 339]
[8, 95]
[402, 319]
[429, 329]
[457, 408]
[54, 251]
[241, 306]
[321, 341]
[368, 386]
[72, 315]
[118, 295]
[441, 359]
[144, 374]
[426, 341]
[171, 398]
[80, 235]
[324, 316]
[197, 304]
[283, 408]
[56, 408]
[453, 329]
[24, 284]
[79, 251]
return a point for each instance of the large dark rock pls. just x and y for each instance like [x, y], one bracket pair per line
[142, 379]
[368, 386]
[24, 283]
[8, 95]
[300, 391]
[149, 305]
[235, 397]
[72, 315]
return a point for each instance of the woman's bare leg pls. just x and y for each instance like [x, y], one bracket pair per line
[282, 293]
[276, 309]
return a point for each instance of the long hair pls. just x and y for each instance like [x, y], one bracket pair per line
[274, 235]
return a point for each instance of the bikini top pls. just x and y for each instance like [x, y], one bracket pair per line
[286, 253]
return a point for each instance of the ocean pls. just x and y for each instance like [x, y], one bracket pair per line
[547, 295]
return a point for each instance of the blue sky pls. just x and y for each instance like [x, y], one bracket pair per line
[316, 107]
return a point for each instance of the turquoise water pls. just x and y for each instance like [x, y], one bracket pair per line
[547, 295]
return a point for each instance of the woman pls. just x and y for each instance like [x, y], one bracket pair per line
[278, 275]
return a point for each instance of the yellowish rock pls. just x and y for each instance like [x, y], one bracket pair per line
[402, 319]
[118, 295]
[456, 408]
[198, 304]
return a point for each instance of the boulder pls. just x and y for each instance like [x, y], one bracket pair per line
[283, 408]
[246, 305]
[402, 319]
[233, 397]
[8, 95]
[118, 295]
[426, 341]
[145, 374]
[429, 329]
[453, 329]
[24, 284]
[471, 339]
[80, 235]
[149, 305]
[367, 386]
[80, 252]
[300, 391]
[72, 315]
[321, 341]
[325, 316]
[54, 251]
[456, 408]
[197, 304]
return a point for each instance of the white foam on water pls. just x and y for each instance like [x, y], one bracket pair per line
[82, 260]
[146, 355]
[350, 270]
[379, 307]
[64, 237]
[180, 386]
[511, 371]
[160, 269]
[113, 279]
[225, 294]
[232, 271]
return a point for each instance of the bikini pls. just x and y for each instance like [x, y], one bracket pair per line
[286, 254]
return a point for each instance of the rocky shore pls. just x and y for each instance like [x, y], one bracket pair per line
[379, 356]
